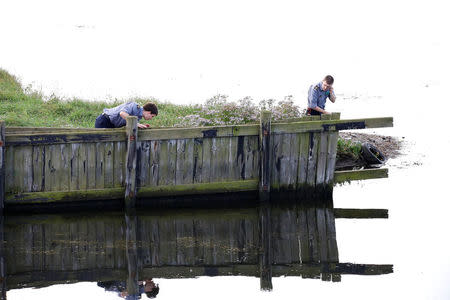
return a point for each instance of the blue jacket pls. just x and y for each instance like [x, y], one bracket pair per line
[317, 96]
[131, 108]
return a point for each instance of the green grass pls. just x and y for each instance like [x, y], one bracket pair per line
[27, 108]
[348, 148]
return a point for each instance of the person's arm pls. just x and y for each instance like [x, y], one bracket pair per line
[124, 115]
[321, 110]
[332, 95]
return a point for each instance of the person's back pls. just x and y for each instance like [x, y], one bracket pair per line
[115, 117]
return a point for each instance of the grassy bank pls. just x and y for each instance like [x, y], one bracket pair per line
[25, 107]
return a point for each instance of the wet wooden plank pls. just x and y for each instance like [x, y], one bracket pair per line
[154, 162]
[312, 158]
[322, 158]
[74, 167]
[198, 160]
[277, 148]
[9, 169]
[163, 163]
[181, 153]
[294, 160]
[215, 163]
[206, 160]
[64, 167]
[188, 166]
[91, 165]
[221, 159]
[83, 167]
[119, 164]
[331, 156]
[144, 162]
[235, 163]
[302, 170]
[285, 161]
[100, 166]
[38, 168]
[49, 168]
[109, 164]
[27, 168]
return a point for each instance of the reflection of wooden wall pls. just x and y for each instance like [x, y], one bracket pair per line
[203, 239]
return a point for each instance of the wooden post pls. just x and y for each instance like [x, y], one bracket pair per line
[2, 166]
[265, 247]
[265, 156]
[130, 176]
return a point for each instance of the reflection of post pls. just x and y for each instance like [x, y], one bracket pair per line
[265, 247]
[132, 253]
[2, 262]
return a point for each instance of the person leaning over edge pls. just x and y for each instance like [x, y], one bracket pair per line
[318, 94]
[116, 117]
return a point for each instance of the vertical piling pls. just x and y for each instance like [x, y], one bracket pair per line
[130, 176]
[2, 166]
[132, 254]
[265, 155]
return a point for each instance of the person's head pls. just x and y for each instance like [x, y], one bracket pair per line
[150, 111]
[151, 289]
[327, 82]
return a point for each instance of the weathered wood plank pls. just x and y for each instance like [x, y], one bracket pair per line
[353, 213]
[9, 169]
[325, 125]
[302, 170]
[100, 166]
[64, 167]
[331, 157]
[285, 161]
[109, 164]
[144, 163]
[345, 176]
[163, 163]
[119, 164]
[154, 162]
[38, 160]
[234, 167]
[333, 255]
[312, 234]
[75, 167]
[91, 165]
[206, 160]
[305, 255]
[49, 175]
[188, 165]
[198, 160]
[322, 158]
[64, 138]
[322, 235]
[312, 158]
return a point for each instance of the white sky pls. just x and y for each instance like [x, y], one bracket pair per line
[187, 51]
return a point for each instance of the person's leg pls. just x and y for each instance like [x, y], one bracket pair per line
[103, 121]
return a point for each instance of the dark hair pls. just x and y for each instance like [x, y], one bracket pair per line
[153, 292]
[329, 79]
[151, 108]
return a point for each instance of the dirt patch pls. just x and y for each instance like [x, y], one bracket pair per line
[388, 145]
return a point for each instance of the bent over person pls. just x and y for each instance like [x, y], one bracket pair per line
[116, 117]
[318, 94]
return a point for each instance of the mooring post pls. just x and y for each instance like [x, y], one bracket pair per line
[265, 155]
[2, 166]
[130, 176]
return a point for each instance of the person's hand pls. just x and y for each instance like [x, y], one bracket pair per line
[143, 125]
[326, 112]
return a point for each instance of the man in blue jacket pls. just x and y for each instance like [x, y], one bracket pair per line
[116, 117]
[318, 94]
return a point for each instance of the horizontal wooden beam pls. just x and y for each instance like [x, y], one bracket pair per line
[331, 125]
[347, 176]
[144, 192]
[350, 213]
[198, 132]
[115, 135]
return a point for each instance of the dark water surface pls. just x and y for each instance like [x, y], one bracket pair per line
[294, 236]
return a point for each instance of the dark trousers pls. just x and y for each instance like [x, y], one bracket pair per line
[103, 121]
[312, 112]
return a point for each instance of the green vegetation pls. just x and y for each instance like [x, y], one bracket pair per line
[348, 148]
[27, 108]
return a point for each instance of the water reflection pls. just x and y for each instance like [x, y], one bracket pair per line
[122, 252]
